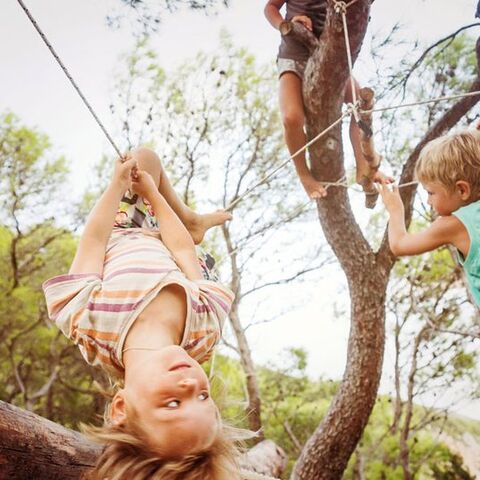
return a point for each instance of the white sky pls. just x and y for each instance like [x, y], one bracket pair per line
[33, 87]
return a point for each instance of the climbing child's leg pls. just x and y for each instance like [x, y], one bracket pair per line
[293, 118]
[197, 224]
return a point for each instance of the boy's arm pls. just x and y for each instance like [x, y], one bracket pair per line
[272, 12]
[174, 234]
[443, 231]
[93, 242]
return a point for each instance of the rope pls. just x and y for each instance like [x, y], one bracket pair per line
[286, 162]
[75, 86]
[423, 102]
[352, 108]
[342, 182]
[341, 7]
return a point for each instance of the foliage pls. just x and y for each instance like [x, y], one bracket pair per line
[294, 406]
[40, 370]
[147, 15]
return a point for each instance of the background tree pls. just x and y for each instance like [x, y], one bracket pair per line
[41, 371]
[148, 14]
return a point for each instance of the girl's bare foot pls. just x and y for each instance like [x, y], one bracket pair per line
[200, 223]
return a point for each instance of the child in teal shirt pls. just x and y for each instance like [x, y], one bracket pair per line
[449, 170]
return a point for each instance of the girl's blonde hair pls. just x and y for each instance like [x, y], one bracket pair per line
[451, 158]
[127, 456]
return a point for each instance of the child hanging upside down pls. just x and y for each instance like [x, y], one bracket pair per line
[137, 303]
[291, 62]
[449, 170]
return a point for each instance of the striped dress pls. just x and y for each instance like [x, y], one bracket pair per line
[96, 312]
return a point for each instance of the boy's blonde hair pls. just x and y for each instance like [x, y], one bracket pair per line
[127, 456]
[451, 158]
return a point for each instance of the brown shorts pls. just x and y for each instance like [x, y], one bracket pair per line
[289, 65]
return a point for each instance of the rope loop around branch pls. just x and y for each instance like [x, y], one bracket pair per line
[340, 6]
[354, 109]
[341, 182]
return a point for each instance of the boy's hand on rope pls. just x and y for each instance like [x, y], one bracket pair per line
[391, 197]
[304, 20]
[144, 185]
[124, 172]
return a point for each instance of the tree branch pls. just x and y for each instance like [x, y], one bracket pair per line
[299, 32]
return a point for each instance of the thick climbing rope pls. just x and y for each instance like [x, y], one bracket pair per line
[67, 73]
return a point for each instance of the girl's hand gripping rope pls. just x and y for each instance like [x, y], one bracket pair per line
[125, 171]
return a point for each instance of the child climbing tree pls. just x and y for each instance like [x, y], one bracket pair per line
[326, 454]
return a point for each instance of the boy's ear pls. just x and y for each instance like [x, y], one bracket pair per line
[464, 189]
[118, 409]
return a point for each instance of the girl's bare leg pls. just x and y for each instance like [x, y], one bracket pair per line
[197, 224]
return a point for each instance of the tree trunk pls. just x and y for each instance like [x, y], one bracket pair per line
[266, 458]
[326, 454]
[34, 448]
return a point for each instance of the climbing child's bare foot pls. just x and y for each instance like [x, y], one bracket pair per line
[200, 223]
[362, 176]
[313, 188]
[381, 177]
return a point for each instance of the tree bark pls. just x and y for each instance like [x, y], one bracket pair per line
[266, 458]
[34, 448]
[326, 454]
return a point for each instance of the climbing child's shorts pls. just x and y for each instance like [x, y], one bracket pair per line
[289, 65]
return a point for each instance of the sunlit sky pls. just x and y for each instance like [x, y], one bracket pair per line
[34, 88]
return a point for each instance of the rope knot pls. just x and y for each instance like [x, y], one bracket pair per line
[340, 7]
[353, 109]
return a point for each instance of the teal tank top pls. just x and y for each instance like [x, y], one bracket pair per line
[470, 217]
